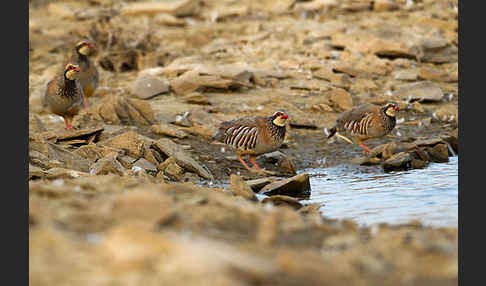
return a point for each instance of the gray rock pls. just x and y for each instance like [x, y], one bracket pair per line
[423, 91]
[296, 186]
[68, 159]
[144, 164]
[399, 161]
[107, 165]
[171, 149]
[257, 184]
[147, 86]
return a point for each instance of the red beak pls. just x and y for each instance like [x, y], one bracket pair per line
[77, 69]
[285, 116]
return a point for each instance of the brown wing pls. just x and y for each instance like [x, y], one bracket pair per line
[240, 133]
[358, 119]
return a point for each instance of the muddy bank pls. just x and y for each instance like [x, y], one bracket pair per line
[127, 196]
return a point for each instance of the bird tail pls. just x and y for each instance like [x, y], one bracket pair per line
[332, 132]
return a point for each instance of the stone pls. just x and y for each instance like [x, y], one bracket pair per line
[439, 153]
[86, 135]
[145, 165]
[128, 142]
[35, 172]
[406, 74]
[284, 164]
[423, 91]
[116, 109]
[340, 99]
[453, 139]
[147, 86]
[399, 161]
[177, 8]
[296, 186]
[446, 113]
[68, 159]
[166, 129]
[197, 98]
[281, 200]
[427, 73]
[126, 161]
[240, 188]
[385, 5]
[170, 168]
[337, 79]
[257, 184]
[107, 165]
[192, 80]
[94, 152]
[171, 149]
[63, 173]
[387, 150]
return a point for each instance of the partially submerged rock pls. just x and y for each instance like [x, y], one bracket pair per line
[296, 186]
[257, 184]
[399, 161]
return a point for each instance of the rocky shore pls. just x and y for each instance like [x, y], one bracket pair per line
[139, 193]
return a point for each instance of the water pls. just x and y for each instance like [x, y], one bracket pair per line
[368, 195]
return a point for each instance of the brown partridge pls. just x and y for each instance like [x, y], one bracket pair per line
[364, 122]
[89, 76]
[253, 136]
[64, 94]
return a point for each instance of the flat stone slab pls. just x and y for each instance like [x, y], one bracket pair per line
[296, 186]
[171, 149]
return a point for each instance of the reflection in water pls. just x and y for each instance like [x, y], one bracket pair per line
[368, 195]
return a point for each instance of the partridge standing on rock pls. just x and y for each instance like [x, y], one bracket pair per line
[365, 122]
[89, 76]
[253, 136]
[64, 94]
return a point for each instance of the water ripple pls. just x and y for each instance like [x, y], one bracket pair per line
[368, 195]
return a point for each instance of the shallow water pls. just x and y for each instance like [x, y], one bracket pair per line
[368, 195]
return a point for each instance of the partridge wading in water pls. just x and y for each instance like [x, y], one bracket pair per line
[64, 94]
[253, 136]
[89, 75]
[364, 122]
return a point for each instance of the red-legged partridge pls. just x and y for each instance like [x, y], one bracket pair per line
[253, 136]
[364, 122]
[89, 76]
[64, 94]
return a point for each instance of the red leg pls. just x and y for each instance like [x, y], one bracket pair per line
[242, 161]
[366, 149]
[85, 103]
[68, 126]
[252, 161]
